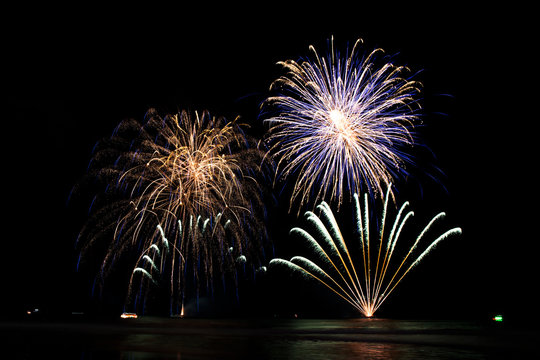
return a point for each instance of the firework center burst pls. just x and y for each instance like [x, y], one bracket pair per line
[340, 125]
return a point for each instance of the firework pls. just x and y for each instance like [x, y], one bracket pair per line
[179, 190]
[341, 124]
[215, 249]
[369, 279]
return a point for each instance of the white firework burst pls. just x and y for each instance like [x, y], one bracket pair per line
[341, 124]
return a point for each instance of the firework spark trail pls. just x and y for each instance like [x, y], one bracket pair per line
[203, 232]
[184, 187]
[340, 124]
[339, 272]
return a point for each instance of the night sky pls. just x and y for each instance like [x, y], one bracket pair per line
[73, 74]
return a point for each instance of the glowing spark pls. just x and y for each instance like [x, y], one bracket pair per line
[340, 124]
[155, 247]
[366, 282]
[145, 273]
[150, 261]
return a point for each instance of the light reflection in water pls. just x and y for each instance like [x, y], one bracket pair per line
[265, 339]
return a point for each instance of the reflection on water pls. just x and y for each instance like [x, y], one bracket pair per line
[309, 349]
[148, 338]
[373, 350]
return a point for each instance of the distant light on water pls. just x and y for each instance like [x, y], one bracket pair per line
[498, 318]
[128, 316]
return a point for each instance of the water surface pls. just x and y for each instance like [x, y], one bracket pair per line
[159, 338]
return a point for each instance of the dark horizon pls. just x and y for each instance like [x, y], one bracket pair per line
[73, 78]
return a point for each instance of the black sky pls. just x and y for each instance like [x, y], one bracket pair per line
[72, 75]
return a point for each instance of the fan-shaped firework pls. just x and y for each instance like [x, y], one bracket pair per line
[340, 124]
[364, 282]
[161, 178]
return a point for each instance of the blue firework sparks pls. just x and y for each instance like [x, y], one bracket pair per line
[341, 124]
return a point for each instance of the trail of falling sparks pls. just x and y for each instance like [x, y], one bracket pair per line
[342, 274]
[155, 261]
